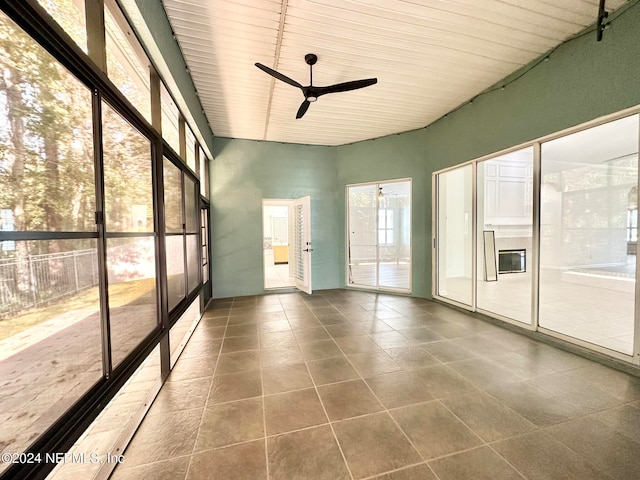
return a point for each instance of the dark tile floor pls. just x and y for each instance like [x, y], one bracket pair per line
[350, 385]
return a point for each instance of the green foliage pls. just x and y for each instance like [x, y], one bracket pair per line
[47, 151]
[47, 173]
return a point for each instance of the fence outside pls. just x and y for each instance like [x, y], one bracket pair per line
[37, 280]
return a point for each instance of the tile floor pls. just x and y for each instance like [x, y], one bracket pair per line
[391, 274]
[595, 308]
[276, 276]
[354, 385]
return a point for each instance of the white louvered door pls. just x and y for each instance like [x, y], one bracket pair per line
[302, 243]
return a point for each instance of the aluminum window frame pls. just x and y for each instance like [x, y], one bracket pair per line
[90, 70]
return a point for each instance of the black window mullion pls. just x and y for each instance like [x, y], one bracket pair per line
[184, 234]
[107, 365]
[34, 19]
[158, 201]
[162, 288]
[96, 42]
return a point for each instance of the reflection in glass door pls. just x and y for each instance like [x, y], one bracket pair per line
[379, 240]
[454, 235]
[394, 235]
[505, 215]
[362, 249]
[577, 278]
[588, 236]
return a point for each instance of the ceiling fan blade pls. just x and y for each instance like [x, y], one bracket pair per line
[278, 75]
[346, 86]
[303, 108]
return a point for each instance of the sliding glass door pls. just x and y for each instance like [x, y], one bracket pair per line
[379, 235]
[454, 235]
[556, 230]
[588, 234]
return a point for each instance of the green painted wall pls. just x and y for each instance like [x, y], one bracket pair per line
[244, 173]
[581, 81]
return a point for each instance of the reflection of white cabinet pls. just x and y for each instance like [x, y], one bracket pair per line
[508, 193]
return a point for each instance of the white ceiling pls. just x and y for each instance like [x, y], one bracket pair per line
[429, 56]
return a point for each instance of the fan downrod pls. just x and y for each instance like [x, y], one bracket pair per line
[311, 58]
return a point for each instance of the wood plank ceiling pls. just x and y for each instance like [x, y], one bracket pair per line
[429, 56]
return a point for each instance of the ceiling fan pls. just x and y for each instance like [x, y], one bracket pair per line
[312, 92]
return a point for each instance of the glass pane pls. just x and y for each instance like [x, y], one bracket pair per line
[172, 198]
[127, 176]
[191, 149]
[175, 269]
[113, 421]
[70, 15]
[170, 119]
[385, 224]
[363, 201]
[131, 263]
[505, 194]
[454, 235]
[191, 205]
[127, 64]
[193, 262]
[181, 327]
[46, 140]
[587, 266]
[50, 343]
[394, 253]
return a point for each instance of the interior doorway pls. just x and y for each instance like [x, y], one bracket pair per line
[276, 239]
[286, 243]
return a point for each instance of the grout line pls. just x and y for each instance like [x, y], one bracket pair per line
[329, 422]
[506, 461]
[335, 437]
[432, 471]
[484, 442]
[397, 470]
[310, 307]
[453, 454]
[208, 394]
[141, 465]
[384, 407]
[426, 462]
[361, 378]
[264, 412]
[275, 435]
